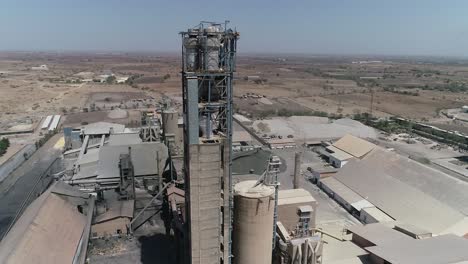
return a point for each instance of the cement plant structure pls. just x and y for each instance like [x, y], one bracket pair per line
[208, 64]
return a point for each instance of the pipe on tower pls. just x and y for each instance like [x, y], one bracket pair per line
[297, 170]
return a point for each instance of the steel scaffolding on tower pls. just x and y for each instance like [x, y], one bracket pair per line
[208, 65]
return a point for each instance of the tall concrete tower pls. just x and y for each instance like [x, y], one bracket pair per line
[208, 64]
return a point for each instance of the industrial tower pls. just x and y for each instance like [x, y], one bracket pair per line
[208, 64]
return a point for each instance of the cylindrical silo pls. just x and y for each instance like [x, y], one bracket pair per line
[169, 121]
[253, 223]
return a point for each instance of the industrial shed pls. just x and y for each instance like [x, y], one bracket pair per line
[318, 171]
[124, 139]
[343, 195]
[435, 250]
[412, 231]
[354, 146]
[372, 178]
[148, 159]
[288, 203]
[373, 214]
[115, 221]
[337, 157]
[101, 128]
[375, 234]
[53, 229]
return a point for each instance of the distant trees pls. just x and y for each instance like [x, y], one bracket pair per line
[111, 79]
[4, 144]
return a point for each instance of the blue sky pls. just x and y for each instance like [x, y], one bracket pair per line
[392, 27]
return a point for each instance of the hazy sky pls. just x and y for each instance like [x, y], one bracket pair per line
[394, 27]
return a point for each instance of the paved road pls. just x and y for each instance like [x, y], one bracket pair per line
[15, 189]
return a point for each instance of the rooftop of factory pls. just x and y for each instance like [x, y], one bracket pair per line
[337, 188]
[144, 159]
[115, 209]
[124, 139]
[375, 178]
[294, 196]
[338, 153]
[378, 233]
[342, 252]
[435, 250]
[354, 146]
[53, 223]
[100, 128]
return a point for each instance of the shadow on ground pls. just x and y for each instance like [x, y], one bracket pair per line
[157, 248]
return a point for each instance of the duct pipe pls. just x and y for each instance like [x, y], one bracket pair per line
[297, 170]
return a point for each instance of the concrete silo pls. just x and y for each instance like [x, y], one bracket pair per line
[253, 223]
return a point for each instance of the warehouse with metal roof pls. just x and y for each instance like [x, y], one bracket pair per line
[372, 178]
[53, 229]
[354, 146]
[435, 250]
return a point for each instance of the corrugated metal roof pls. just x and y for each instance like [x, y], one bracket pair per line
[359, 205]
[100, 128]
[116, 209]
[339, 154]
[147, 159]
[371, 178]
[341, 190]
[292, 196]
[335, 251]
[378, 234]
[49, 231]
[411, 229]
[124, 139]
[355, 146]
[91, 156]
[86, 171]
[377, 214]
[435, 250]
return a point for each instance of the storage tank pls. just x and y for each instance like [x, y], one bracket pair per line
[169, 121]
[211, 44]
[191, 50]
[253, 223]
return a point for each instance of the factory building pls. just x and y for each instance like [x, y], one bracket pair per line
[384, 187]
[372, 214]
[297, 238]
[46, 122]
[54, 229]
[390, 243]
[345, 149]
[115, 221]
[288, 203]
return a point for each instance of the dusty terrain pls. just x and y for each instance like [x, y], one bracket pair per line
[416, 88]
